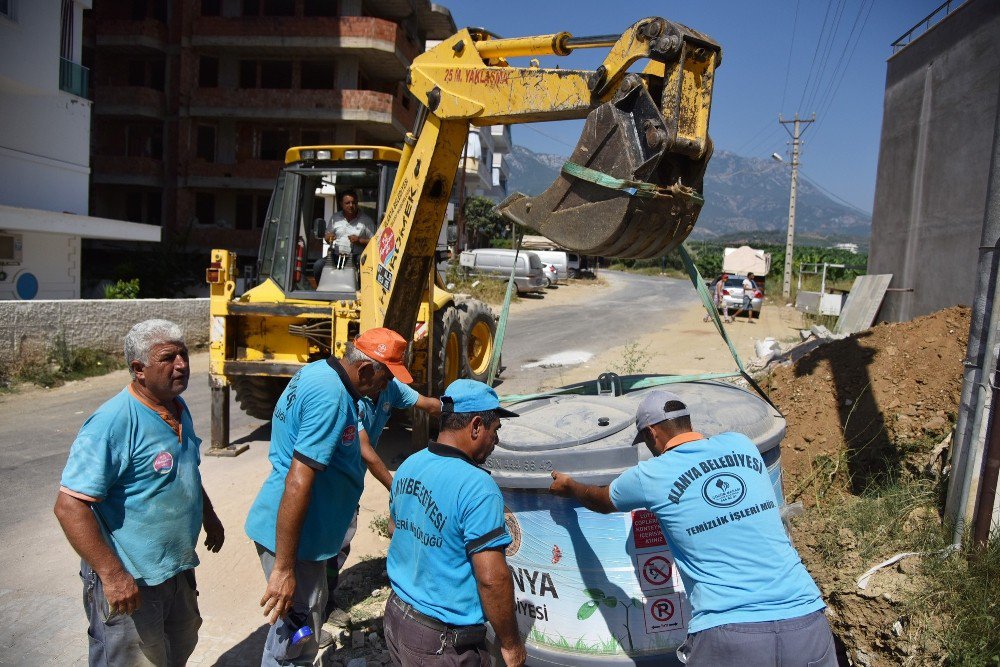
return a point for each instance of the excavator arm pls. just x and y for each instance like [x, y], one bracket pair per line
[631, 188]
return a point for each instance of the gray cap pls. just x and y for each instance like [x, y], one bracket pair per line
[652, 411]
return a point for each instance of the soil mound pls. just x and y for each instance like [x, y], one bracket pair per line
[871, 405]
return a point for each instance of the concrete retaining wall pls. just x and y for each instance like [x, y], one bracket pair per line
[99, 323]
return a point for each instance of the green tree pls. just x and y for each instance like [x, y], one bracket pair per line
[482, 224]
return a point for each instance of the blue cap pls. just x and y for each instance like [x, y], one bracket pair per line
[472, 396]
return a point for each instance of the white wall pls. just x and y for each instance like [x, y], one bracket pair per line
[44, 142]
[54, 259]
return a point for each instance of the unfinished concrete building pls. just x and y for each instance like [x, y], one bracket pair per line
[196, 101]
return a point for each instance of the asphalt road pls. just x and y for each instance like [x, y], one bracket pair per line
[37, 427]
[632, 305]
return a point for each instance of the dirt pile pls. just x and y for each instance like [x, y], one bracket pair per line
[871, 405]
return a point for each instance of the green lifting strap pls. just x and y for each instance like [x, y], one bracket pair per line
[632, 188]
[491, 374]
[713, 312]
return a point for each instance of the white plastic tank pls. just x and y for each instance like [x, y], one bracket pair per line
[602, 589]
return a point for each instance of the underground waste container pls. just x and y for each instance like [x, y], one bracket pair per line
[602, 589]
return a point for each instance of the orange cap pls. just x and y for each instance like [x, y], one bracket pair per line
[388, 347]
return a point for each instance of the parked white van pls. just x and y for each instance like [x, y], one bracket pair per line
[497, 263]
[558, 259]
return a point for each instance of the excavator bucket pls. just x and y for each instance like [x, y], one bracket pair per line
[623, 193]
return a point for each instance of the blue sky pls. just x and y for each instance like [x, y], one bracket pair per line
[764, 71]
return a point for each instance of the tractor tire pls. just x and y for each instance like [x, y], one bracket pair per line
[479, 329]
[257, 395]
[447, 359]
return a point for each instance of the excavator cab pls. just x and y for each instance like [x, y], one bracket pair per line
[293, 251]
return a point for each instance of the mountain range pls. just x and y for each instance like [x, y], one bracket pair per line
[745, 199]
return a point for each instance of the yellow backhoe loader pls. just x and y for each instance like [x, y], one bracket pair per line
[631, 188]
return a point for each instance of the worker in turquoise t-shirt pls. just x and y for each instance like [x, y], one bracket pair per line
[753, 601]
[132, 505]
[446, 562]
[373, 415]
[301, 514]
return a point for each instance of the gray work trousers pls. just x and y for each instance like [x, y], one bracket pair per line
[412, 644]
[804, 641]
[308, 603]
[163, 631]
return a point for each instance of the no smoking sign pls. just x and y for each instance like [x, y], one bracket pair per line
[656, 572]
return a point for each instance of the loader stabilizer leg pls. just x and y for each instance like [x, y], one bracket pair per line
[220, 421]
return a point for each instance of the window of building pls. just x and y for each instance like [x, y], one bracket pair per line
[144, 141]
[66, 30]
[320, 8]
[157, 74]
[211, 7]
[275, 74]
[205, 148]
[250, 210]
[311, 137]
[208, 72]
[318, 75]
[204, 208]
[133, 207]
[136, 73]
[273, 144]
[248, 74]
[279, 8]
[154, 208]
[138, 10]
[7, 9]
[251, 7]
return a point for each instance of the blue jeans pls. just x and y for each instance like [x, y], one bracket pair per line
[162, 631]
[308, 604]
[803, 640]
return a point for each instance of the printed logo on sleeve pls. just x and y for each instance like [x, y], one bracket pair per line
[163, 463]
[387, 407]
[350, 433]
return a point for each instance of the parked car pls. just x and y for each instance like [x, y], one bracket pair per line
[551, 274]
[732, 294]
[498, 262]
[558, 259]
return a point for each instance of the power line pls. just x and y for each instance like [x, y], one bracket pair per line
[791, 45]
[766, 125]
[832, 38]
[833, 95]
[812, 181]
[531, 127]
[819, 40]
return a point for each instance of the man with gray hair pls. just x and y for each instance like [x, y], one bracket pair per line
[301, 514]
[132, 505]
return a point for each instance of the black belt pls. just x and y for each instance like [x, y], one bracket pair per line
[460, 635]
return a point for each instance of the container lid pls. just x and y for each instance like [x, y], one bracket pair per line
[590, 437]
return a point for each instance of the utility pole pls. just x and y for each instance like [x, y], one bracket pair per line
[796, 134]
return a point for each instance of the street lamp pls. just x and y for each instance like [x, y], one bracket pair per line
[777, 158]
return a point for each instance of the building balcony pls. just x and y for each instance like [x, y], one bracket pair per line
[244, 174]
[136, 101]
[382, 45]
[502, 142]
[124, 170]
[380, 114]
[73, 78]
[131, 36]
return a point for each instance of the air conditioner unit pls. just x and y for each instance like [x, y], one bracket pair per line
[10, 249]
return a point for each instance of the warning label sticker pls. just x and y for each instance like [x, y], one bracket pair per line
[646, 530]
[663, 613]
[383, 277]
